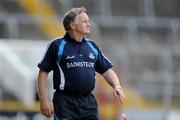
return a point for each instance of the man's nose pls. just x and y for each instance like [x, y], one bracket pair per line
[88, 24]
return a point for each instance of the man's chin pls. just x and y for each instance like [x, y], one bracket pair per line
[88, 33]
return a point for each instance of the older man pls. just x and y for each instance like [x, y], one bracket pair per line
[74, 60]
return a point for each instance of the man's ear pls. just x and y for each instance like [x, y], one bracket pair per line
[72, 25]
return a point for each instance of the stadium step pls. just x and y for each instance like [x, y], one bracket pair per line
[45, 15]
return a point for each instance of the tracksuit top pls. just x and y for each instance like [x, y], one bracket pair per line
[74, 64]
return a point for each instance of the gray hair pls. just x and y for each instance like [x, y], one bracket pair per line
[70, 16]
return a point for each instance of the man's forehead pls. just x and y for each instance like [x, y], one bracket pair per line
[82, 16]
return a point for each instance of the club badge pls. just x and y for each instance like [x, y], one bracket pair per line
[91, 56]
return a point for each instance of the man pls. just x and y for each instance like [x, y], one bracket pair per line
[74, 60]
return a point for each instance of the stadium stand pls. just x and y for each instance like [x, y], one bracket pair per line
[142, 38]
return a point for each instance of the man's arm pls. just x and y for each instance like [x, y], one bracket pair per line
[111, 77]
[45, 106]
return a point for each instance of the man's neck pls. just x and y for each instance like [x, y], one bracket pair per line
[77, 37]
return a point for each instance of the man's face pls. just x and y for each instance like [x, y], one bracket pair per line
[82, 24]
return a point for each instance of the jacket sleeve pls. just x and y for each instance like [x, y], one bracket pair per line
[49, 58]
[103, 63]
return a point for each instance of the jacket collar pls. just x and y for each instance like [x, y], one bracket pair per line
[68, 38]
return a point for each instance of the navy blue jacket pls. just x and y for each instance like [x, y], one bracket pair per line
[74, 64]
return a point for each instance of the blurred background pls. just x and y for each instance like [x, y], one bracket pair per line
[141, 38]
